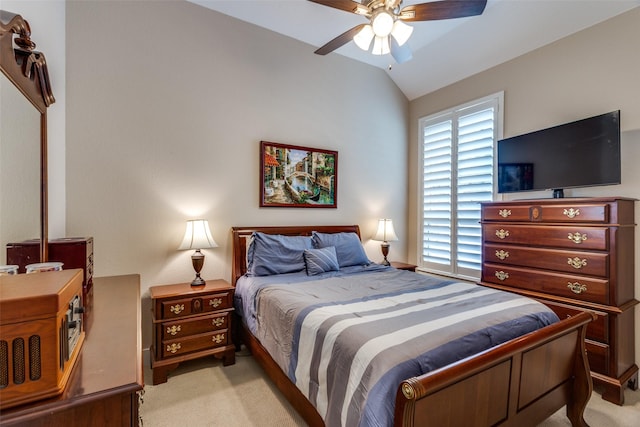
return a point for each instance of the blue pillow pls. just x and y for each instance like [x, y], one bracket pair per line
[349, 250]
[276, 254]
[320, 260]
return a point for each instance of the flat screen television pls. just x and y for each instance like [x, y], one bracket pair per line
[583, 153]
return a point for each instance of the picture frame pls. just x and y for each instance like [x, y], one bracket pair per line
[293, 176]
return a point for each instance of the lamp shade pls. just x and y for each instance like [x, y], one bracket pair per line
[364, 37]
[198, 235]
[401, 32]
[380, 45]
[385, 232]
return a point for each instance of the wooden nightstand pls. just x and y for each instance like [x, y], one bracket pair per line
[189, 323]
[403, 266]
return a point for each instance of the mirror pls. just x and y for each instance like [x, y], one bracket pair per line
[19, 168]
[26, 93]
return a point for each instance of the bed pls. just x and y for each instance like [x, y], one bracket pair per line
[302, 327]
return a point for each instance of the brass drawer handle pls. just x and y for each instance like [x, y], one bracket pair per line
[172, 330]
[577, 263]
[501, 275]
[502, 233]
[577, 238]
[215, 302]
[504, 213]
[576, 287]
[218, 321]
[173, 348]
[571, 213]
[501, 254]
[177, 309]
[218, 338]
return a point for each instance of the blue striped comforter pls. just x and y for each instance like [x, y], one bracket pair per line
[348, 339]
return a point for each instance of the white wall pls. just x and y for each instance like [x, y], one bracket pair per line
[591, 72]
[167, 104]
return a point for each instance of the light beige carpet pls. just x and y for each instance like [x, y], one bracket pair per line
[203, 393]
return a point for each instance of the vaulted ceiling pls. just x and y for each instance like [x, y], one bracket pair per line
[444, 51]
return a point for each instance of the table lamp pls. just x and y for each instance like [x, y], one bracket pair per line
[386, 234]
[197, 236]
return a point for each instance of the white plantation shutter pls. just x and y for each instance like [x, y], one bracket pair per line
[437, 192]
[457, 174]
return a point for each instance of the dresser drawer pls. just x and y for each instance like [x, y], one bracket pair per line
[598, 212]
[597, 330]
[578, 237]
[175, 308]
[574, 213]
[506, 213]
[598, 355]
[589, 263]
[206, 341]
[183, 328]
[579, 288]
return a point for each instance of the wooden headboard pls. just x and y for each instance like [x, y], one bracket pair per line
[241, 237]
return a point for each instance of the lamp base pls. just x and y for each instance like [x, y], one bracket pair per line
[197, 259]
[198, 281]
[385, 252]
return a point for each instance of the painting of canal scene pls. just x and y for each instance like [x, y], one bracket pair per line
[294, 176]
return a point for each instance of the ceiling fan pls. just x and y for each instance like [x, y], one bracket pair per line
[387, 28]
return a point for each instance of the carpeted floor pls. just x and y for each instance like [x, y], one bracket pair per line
[203, 393]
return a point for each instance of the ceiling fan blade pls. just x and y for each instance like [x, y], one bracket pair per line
[400, 53]
[443, 9]
[346, 5]
[339, 41]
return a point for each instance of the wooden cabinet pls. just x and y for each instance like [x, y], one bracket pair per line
[572, 254]
[73, 252]
[104, 386]
[190, 322]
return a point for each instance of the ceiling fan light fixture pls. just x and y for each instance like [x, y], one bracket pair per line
[381, 46]
[382, 24]
[364, 37]
[401, 32]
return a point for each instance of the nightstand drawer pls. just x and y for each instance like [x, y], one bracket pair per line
[183, 328]
[207, 341]
[175, 308]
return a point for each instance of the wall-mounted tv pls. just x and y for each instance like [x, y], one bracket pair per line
[583, 153]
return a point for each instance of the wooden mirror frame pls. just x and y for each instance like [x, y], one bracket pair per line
[27, 70]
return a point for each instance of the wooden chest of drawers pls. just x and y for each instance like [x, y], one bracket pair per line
[572, 254]
[190, 322]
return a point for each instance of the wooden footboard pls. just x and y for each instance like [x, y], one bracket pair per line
[519, 383]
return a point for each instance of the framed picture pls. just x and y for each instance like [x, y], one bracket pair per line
[297, 177]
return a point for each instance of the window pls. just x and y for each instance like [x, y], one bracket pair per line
[457, 171]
